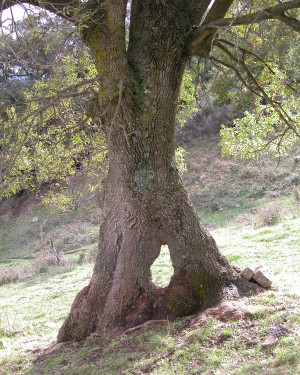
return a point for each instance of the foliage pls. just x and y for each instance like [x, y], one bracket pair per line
[51, 137]
[264, 129]
[261, 84]
[49, 132]
[187, 104]
[48, 89]
[180, 154]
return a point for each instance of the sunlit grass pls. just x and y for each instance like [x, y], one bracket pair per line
[162, 269]
[276, 248]
[32, 310]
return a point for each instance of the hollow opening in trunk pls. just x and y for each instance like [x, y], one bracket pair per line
[162, 269]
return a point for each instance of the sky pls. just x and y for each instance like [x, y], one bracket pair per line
[16, 10]
[16, 13]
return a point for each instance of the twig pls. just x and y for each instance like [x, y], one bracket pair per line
[151, 366]
[130, 330]
[55, 251]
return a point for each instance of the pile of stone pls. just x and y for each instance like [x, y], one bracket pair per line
[257, 276]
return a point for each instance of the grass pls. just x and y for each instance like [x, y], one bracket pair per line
[218, 184]
[275, 247]
[33, 309]
[162, 269]
[230, 200]
[25, 248]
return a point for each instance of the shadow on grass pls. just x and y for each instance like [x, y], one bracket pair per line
[178, 348]
[138, 353]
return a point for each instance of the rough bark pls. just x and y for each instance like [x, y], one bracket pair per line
[145, 204]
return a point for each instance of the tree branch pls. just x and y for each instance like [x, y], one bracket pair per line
[63, 8]
[229, 66]
[264, 14]
[204, 33]
[218, 10]
[290, 21]
[257, 57]
[258, 88]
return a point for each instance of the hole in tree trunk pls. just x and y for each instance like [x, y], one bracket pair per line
[162, 269]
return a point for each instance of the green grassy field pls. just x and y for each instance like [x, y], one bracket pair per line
[253, 227]
[32, 310]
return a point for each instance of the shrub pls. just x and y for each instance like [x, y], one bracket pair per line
[43, 262]
[9, 275]
[269, 215]
[296, 194]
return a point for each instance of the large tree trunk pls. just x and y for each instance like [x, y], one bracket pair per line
[145, 204]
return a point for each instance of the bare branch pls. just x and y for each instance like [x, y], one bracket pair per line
[258, 88]
[264, 14]
[55, 251]
[257, 57]
[214, 60]
[290, 21]
[204, 34]
[218, 10]
[63, 8]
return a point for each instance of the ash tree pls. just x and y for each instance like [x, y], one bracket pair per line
[145, 204]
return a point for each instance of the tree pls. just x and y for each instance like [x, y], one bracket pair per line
[48, 84]
[145, 204]
[248, 76]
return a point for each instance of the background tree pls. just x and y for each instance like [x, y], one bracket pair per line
[145, 204]
[48, 92]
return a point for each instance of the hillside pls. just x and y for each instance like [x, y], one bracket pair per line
[252, 210]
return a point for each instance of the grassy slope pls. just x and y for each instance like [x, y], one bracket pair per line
[32, 309]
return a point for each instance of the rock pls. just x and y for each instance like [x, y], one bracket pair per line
[270, 341]
[223, 337]
[1, 344]
[199, 321]
[277, 331]
[277, 308]
[251, 343]
[223, 312]
[237, 269]
[261, 279]
[297, 159]
[247, 273]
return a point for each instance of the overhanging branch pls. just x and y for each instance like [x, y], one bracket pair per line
[205, 33]
[257, 57]
[252, 83]
[290, 21]
[63, 8]
[265, 14]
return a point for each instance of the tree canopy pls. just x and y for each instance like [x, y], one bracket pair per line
[43, 50]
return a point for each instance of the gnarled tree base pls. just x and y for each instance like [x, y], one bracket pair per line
[181, 298]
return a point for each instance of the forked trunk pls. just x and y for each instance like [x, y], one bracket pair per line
[145, 204]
